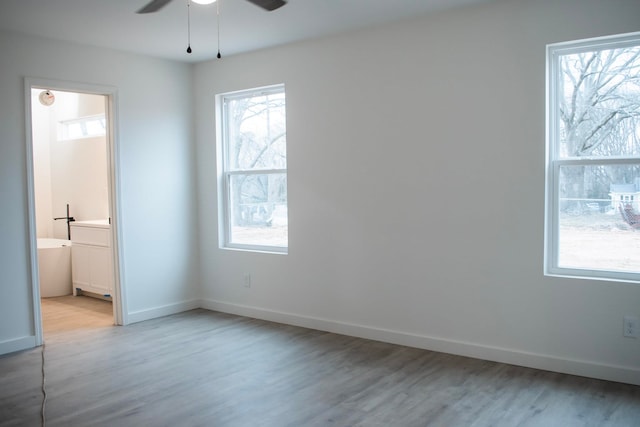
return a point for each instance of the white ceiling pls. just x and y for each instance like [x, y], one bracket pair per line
[243, 26]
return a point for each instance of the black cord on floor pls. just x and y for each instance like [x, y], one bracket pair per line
[44, 391]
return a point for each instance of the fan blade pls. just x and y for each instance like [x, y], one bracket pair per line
[268, 4]
[154, 6]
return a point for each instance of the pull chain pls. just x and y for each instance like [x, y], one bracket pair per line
[218, 24]
[188, 26]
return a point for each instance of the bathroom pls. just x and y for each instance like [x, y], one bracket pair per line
[71, 193]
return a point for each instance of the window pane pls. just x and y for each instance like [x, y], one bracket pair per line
[74, 131]
[258, 211]
[599, 217]
[95, 127]
[257, 132]
[599, 101]
[83, 127]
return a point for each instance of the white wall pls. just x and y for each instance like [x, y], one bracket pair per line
[156, 176]
[387, 128]
[79, 178]
[41, 135]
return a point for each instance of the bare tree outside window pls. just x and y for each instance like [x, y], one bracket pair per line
[600, 103]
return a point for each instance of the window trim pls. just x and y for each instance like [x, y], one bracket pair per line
[553, 163]
[225, 172]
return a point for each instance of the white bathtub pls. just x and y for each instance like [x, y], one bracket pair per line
[54, 267]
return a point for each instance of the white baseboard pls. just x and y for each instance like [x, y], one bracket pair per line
[17, 344]
[630, 375]
[165, 310]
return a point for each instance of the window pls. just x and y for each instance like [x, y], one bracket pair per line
[593, 159]
[84, 127]
[253, 178]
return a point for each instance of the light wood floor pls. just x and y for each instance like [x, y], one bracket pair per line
[69, 313]
[202, 368]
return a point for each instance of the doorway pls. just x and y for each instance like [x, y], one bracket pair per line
[73, 215]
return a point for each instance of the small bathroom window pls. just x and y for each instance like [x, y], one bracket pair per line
[84, 127]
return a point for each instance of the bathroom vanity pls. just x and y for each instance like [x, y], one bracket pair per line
[91, 257]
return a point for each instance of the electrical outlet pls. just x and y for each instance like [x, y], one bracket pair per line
[247, 280]
[630, 326]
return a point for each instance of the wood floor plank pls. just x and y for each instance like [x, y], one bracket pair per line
[202, 368]
[68, 313]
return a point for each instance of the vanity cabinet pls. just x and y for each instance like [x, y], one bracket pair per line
[91, 257]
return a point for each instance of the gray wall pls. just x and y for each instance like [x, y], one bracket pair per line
[416, 157]
[156, 175]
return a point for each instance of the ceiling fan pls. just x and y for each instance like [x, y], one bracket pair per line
[269, 5]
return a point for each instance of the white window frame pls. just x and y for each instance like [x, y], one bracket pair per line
[554, 162]
[225, 173]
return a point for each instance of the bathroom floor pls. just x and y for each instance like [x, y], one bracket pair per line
[69, 313]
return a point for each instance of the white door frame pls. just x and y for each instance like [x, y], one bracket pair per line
[113, 167]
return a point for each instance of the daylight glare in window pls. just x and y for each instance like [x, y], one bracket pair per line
[593, 158]
[84, 127]
[254, 178]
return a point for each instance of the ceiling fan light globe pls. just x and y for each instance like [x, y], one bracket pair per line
[204, 1]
